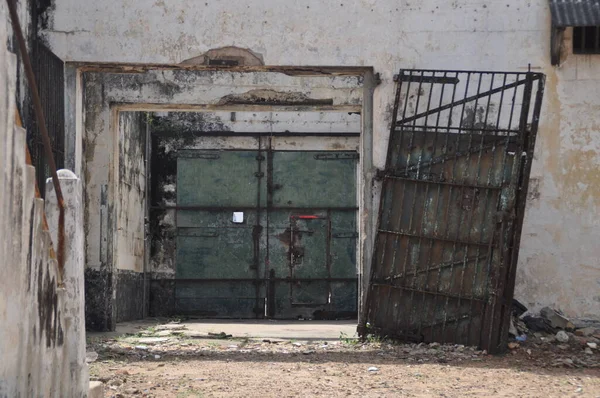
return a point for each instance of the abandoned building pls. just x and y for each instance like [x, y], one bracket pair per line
[413, 165]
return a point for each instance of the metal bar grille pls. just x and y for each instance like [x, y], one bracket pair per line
[444, 251]
[49, 73]
[586, 40]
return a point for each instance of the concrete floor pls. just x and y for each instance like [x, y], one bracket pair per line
[259, 329]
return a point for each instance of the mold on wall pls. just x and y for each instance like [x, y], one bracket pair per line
[131, 191]
[98, 300]
[130, 295]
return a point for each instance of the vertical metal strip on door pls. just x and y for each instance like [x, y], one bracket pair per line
[459, 156]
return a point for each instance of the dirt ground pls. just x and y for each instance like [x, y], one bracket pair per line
[172, 361]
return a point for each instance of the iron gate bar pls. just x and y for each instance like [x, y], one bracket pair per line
[479, 197]
[461, 262]
[504, 311]
[423, 127]
[430, 292]
[394, 116]
[462, 102]
[496, 323]
[530, 140]
[457, 154]
[456, 184]
[429, 79]
[438, 238]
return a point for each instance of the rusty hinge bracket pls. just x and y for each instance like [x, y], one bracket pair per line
[377, 79]
[380, 174]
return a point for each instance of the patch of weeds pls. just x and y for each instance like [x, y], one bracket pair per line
[344, 338]
[371, 338]
[126, 337]
[177, 319]
[374, 339]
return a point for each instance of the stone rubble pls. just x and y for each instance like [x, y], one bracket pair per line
[564, 343]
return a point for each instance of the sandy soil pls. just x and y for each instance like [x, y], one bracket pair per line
[181, 366]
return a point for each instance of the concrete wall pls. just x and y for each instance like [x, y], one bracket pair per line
[131, 212]
[131, 192]
[559, 262]
[42, 335]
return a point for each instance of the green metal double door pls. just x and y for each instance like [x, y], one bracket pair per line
[266, 234]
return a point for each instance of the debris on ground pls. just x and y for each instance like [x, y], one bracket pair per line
[569, 344]
[91, 356]
[556, 319]
[562, 336]
[180, 365]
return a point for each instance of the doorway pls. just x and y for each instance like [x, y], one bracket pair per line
[264, 223]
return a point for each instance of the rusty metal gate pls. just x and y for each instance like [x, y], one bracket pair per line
[266, 233]
[452, 205]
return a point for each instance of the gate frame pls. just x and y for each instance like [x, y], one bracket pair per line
[108, 111]
[500, 315]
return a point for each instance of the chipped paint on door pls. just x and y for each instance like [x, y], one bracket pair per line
[266, 233]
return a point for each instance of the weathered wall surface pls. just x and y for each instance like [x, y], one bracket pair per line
[130, 209]
[131, 192]
[42, 336]
[559, 262]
